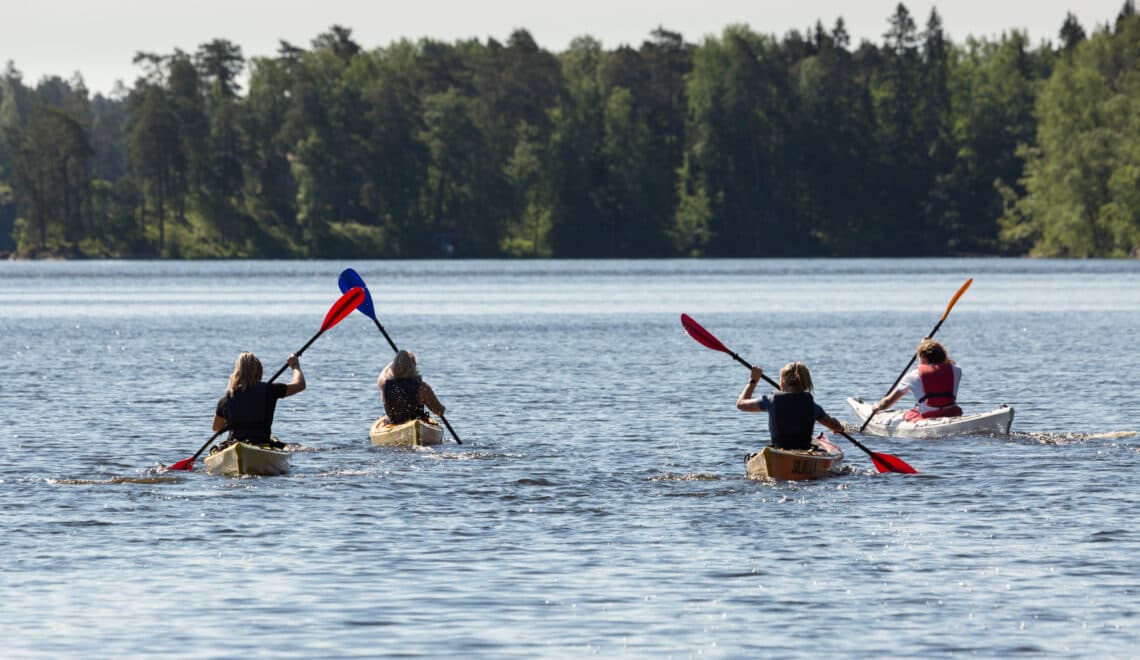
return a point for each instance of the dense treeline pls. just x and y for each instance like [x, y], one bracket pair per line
[742, 145]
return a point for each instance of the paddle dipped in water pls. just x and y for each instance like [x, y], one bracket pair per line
[953, 301]
[348, 279]
[339, 310]
[882, 462]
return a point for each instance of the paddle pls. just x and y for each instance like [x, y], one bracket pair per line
[882, 462]
[348, 279]
[913, 356]
[340, 309]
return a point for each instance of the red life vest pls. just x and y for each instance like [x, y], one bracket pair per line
[938, 389]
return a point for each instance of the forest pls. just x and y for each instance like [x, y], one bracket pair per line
[742, 145]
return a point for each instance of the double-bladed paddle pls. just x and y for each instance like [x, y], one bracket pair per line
[349, 279]
[913, 356]
[340, 309]
[882, 462]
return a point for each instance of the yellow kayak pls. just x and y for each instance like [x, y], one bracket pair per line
[241, 458]
[409, 434]
[823, 459]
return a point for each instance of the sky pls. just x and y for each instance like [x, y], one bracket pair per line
[99, 39]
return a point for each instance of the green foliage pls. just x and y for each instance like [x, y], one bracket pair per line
[744, 145]
[691, 231]
[1080, 179]
[352, 240]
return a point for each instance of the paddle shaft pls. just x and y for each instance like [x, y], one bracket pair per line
[198, 453]
[749, 365]
[307, 344]
[385, 333]
[913, 357]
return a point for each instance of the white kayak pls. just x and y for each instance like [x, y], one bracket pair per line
[891, 423]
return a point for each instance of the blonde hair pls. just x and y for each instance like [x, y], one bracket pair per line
[247, 373]
[795, 377]
[402, 366]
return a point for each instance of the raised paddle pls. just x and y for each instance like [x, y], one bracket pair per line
[882, 462]
[340, 309]
[953, 301]
[348, 279]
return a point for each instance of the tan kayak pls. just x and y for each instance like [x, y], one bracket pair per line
[795, 464]
[409, 434]
[241, 458]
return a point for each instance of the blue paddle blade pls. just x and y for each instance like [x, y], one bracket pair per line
[349, 279]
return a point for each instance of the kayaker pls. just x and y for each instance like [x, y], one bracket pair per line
[934, 384]
[404, 393]
[248, 404]
[792, 412]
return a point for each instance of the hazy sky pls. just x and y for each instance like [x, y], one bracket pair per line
[99, 39]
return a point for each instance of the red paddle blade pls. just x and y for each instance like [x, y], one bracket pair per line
[703, 337]
[343, 307]
[889, 463]
[184, 464]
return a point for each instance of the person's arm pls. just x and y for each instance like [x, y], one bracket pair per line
[890, 399]
[745, 401]
[298, 382]
[220, 412]
[831, 423]
[430, 400]
[903, 387]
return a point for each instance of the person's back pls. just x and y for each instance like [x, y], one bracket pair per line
[249, 411]
[934, 384]
[247, 407]
[402, 401]
[792, 411]
[403, 393]
[791, 420]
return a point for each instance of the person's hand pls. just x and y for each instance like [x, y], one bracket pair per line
[757, 374]
[293, 361]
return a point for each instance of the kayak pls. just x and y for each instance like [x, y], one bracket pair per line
[891, 423]
[241, 458]
[823, 459]
[409, 434]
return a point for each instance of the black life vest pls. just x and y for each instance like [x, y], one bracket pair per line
[402, 401]
[249, 412]
[792, 420]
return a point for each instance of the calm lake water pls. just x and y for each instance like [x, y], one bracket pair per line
[598, 503]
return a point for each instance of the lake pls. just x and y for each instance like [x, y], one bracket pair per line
[598, 504]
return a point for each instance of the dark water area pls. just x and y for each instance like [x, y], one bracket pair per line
[598, 503]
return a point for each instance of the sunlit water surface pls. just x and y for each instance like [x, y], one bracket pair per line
[598, 502]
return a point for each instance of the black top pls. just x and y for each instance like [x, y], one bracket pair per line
[249, 412]
[402, 401]
[792, 420]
